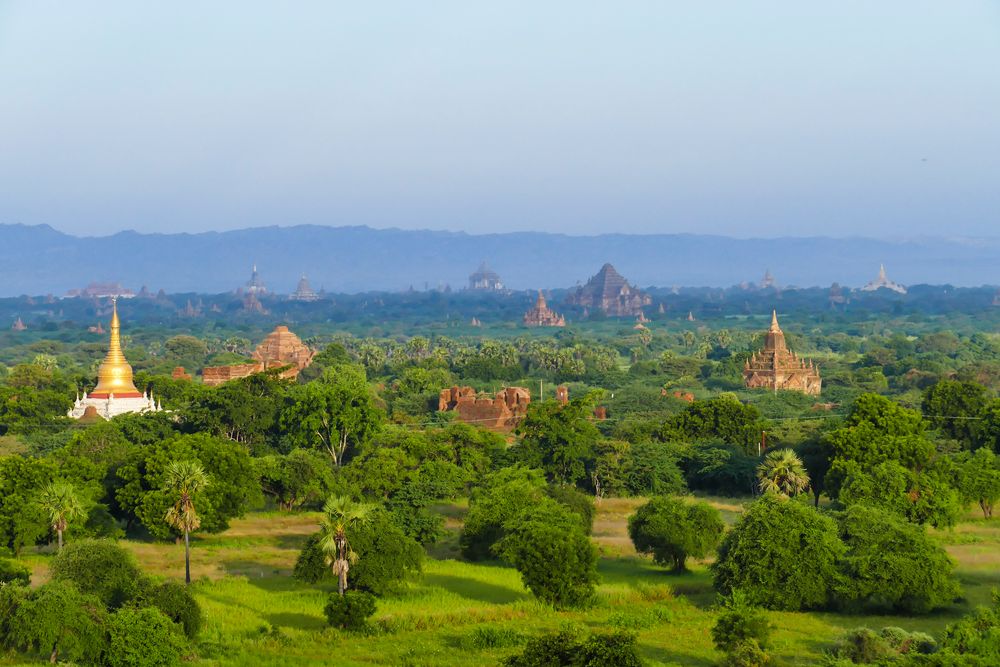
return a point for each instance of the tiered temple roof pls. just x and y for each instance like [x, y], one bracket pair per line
[883, 282]
[611, 293]
[540, 315]
[304, 291]
[485, 278]
[778, 368]
[281, 348]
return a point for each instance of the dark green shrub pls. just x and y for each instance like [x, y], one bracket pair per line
[783, 554]
[563, 648]
[99, 567]
[14, 572]
[556, 559]
[863, 646]
[350, 611]
[310, 566]
[613, 648]
[893, 565]
[142, 638]
[57, 621]
[672, 530]
[740, 622]
[175, 601]
[557, 648]
[976, 635]
[747, 653]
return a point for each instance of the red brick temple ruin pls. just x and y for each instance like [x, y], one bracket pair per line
[540, 315]
[500, 413]
[281, 348]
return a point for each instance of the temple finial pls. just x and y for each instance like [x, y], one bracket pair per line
[774, 322]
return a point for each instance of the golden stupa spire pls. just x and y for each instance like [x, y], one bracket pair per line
[774, 322]
[114, 376]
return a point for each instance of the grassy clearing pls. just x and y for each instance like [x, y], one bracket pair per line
[460, 613]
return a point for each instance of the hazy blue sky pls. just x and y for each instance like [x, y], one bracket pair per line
[742, 117]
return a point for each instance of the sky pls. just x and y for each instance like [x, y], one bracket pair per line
[748, 118]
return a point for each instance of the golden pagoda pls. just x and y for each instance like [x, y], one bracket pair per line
[778, 368]
[115, 392]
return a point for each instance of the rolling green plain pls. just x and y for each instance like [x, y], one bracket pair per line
[462, 613]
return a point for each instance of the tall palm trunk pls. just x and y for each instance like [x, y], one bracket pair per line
[59, 534]
[187, 557]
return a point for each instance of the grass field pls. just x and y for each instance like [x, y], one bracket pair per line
[456, 612]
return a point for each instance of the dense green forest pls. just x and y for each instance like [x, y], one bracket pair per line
[698, 522]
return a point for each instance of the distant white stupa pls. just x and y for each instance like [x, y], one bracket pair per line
[883, 282]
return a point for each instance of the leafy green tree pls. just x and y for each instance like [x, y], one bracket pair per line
[673, 530]
[59, 621]
[99, 567]
[298, 478]
[783, 473]
[142, 638]
[920, 497]
[184, 480]
[504, 495]
[719, 468]
[176, 603]
[722, 419]
[14, 572]
[22, 520]
[892, 565]
[244, 410]
[60, 502]
[979, 480]
[339, 515]
[558, 438]
[782, 555]
[953, 407]
[335, 413]
[555, 557]
[988, 429]
[650, 468]
[816, 455]
[973, 639]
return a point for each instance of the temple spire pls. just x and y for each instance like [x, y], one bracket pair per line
[774, 322]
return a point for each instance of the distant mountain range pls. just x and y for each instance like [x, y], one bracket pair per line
[41, 260]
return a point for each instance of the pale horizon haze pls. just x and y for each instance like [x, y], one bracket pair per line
[746, 119]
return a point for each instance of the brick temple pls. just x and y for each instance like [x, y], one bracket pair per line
[609, 292]
[540, 315]
[281, 348]
[778, 368]
[500, 413]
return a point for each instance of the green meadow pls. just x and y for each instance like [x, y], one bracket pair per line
[461, 613]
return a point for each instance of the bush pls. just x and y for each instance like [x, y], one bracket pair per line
[563, 648]
[740, 622]
[556, 559]
[863, 645]
[672, 530]
[56, 621]
[893, 565]
[350, 611]
[142, 638]
[14, 572]
[747, 653]
[99, 567]
[310, 566]
[490, 636]
[175, 601]
[782, 554]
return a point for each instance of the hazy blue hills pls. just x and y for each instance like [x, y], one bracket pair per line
[41, 260]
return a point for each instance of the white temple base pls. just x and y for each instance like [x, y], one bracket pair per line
[112, 406]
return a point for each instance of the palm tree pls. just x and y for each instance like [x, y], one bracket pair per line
[339, 514]
[782, 472]
[184, 478]
[60, 502]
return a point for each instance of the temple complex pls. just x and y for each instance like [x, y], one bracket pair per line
[102, 291]
[500, 413]
[280, 349]
[540, 315]
[883, 282]
[255, 285]
[485, 279]
[115, 393]
[777, 368]
[611, 293]
[304, 291]
[767, 281]
[18, 325]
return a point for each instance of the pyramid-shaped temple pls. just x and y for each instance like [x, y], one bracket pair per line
[609, 292]
[778, 368]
